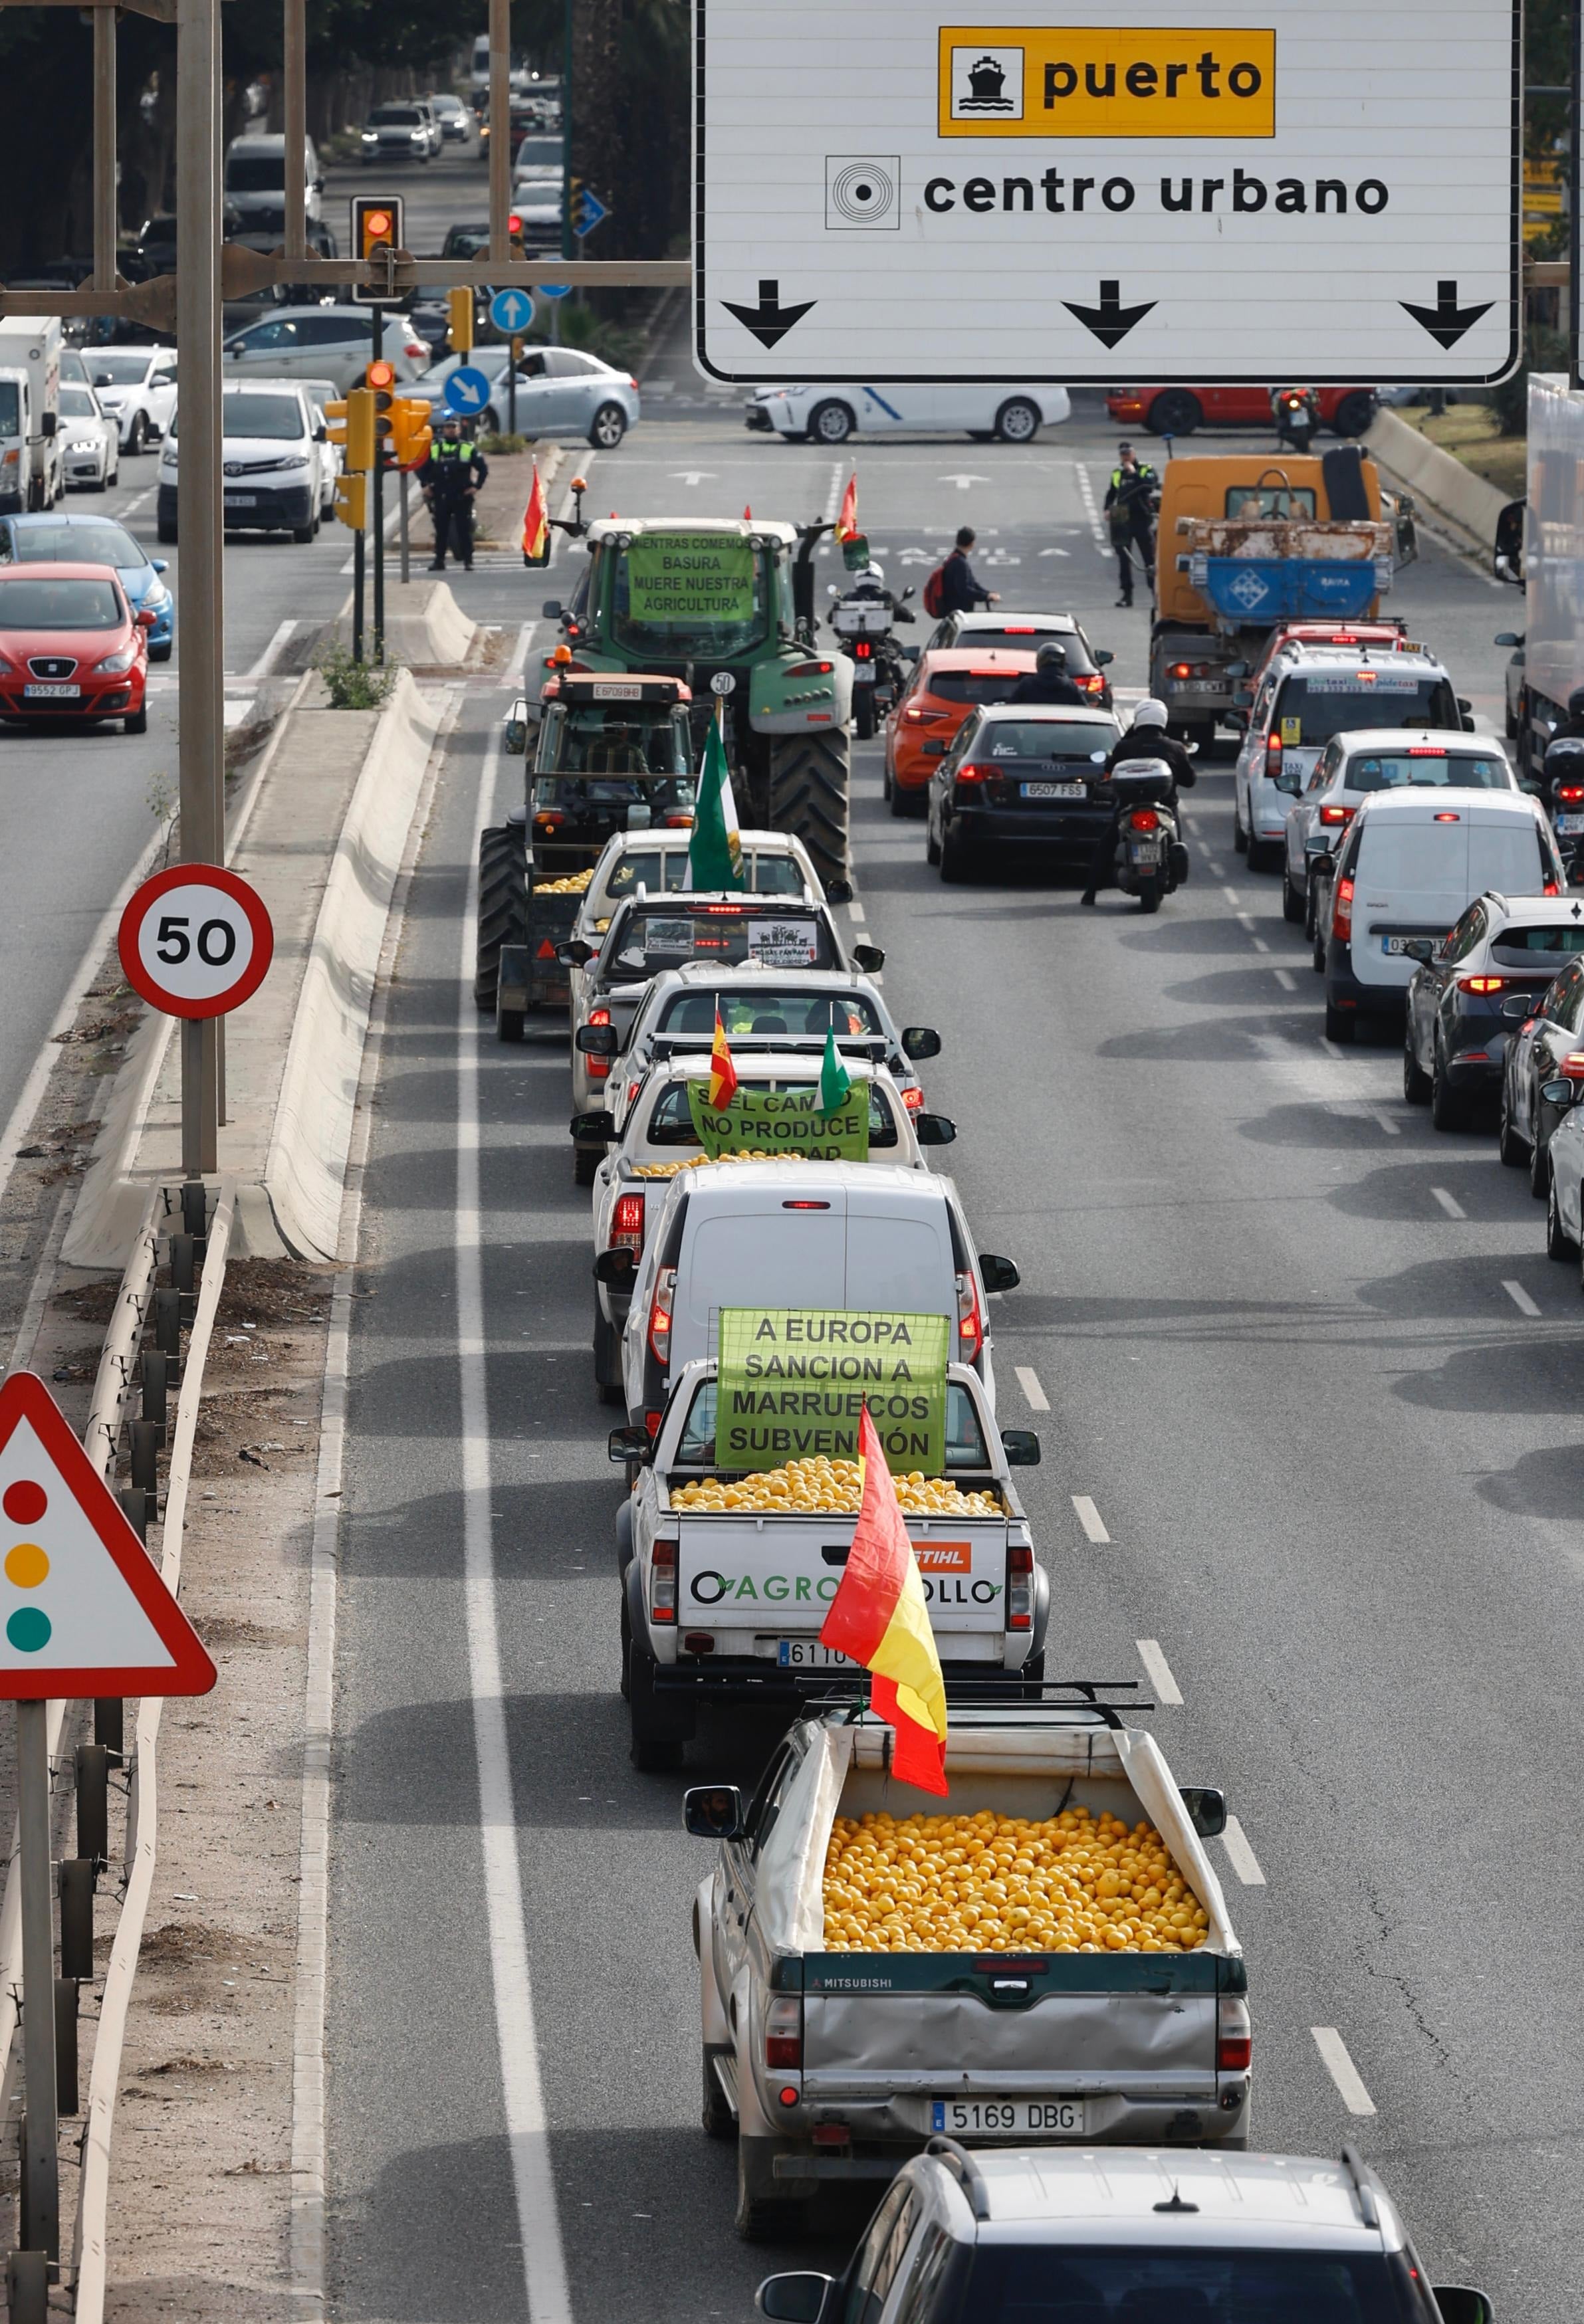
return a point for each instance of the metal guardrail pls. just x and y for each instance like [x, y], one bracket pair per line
[88, 2241]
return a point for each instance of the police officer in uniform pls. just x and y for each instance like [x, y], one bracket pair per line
[452, 475]
[1130, 511]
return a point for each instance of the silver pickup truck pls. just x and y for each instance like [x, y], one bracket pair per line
[837, 2065]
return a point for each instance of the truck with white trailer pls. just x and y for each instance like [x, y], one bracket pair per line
[32, 448]
[1540, 549]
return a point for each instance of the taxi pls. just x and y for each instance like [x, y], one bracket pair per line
[949, 683]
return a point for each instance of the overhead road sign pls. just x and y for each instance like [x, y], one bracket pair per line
[512, 311]
[467, 390]
[588, 212]
[196, 941]
[1236, 193]
[83, 1610]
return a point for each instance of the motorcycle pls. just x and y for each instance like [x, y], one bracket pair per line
[1150, 859]
[881, 665]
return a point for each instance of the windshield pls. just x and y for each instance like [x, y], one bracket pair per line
[1279, 502]
[1428, 768]
[78, 403]
[276, 417]
[9, 417]
[1045, 2283]
[974, 685]
[764, 1009]
[665, 873]
[642, 943]
[394, 116]
[255, 173]
[1514, 945]
[1044, 738]
[593, 740]
[678, 596]
[672, 1121]
[59, 605]
[73, 544]
[1311, 709]
[111, 370]
[1027, 637]
[965, 1444]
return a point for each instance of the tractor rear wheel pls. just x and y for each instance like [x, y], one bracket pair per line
[809, 782]
[502, 903]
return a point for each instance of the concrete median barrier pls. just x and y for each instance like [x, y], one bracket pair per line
[1443, 486]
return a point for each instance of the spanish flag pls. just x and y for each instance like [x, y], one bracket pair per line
[536, 524]
[879, 1616]
[723, 1073]
[846, 523]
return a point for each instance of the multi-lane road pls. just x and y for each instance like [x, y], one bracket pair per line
[1307, 1387]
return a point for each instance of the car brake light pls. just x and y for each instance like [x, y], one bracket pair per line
[1573, 1066]
[1551, 888]
[1234, 2036]
[923, 718]
[1143, 818]
[1020, 630]
[1570, 792]
[665, 1284]
[676, 823]
[663, 1583]
[1342, 912]
[803, 1203]
[1482, 984]
[1180, 669]
[1273, 753]
[913, 1099]
[1425, 751]
[599, 1067]
[732, 911]
[1093, 683]
[1020, 1589]
[970, 1319]
[626, 1226]
[968, 773]
[811, 670]
[1337, 814]
[784, 2030]
[1446, 815]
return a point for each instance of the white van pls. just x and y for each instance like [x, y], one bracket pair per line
[1411, 866]
[32, 474]
[866, 1235]
[256, 176]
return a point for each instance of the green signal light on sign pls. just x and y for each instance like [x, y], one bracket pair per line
[26, 1566]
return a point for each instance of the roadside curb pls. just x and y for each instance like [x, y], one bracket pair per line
[1449, 491]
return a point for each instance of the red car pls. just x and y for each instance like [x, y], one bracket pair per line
[1178, 410]
[948, 684]
[71, 647]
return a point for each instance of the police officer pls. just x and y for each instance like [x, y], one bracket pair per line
[1130, 512]
[1049, 681]
[452, 476]
[1146, 738]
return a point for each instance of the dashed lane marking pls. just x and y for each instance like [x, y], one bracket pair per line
[1449, 1203]
[1028, 1380]
[1245, 1862]
[1159, 1670]
[855, 913]
[1519, 1297]
[1286, 979]
[1342, 2070]
[1089, 1517]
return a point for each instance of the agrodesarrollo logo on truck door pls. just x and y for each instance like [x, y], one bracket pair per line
[1091, 80]
[944, 1585]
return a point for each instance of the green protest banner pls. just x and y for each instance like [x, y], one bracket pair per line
[690, 576]
[792, 1382]
[782, 1122]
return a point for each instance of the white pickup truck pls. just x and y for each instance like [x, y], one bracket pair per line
[727, 1605]
[838, 2064]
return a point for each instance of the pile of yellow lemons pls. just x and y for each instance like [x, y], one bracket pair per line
[816, 1487]
[576, 883]
[1004, 1884]
[697, 1162]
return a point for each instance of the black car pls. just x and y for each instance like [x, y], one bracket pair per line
[1545, 1043]
[1468, 997]
[1024, 776]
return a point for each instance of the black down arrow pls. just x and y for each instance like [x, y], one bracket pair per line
[1446, 321]
[769, 320]
[1110, 321]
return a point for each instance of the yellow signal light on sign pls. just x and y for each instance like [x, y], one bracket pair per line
[379, 374]
[352, 502]
[459, 324]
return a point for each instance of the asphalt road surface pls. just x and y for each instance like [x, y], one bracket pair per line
[1306, 1367]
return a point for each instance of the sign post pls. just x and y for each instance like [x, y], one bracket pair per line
[83, 1614]
[1255, 195]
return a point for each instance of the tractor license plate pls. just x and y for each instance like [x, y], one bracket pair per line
[52, 693]
[1054, 790]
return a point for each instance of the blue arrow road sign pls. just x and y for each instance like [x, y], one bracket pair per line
[590, 212]
[553, 290]
[511, 311]
[467, 390]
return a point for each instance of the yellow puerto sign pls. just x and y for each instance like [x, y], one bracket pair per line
[1092, 81]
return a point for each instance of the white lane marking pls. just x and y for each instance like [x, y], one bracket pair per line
[1245, 1862]
[1519, 1297]
[1028, 1380]
[1091, 507]
[545, 2272]
[131, 507]
[1159, 1670]
[272, 652]
[833, 497]
[1231, 896]
[1342, 2070]
[1286, 979]
[1449, 1203]
[1260, 945]
[856, 912]
[1089, 1517]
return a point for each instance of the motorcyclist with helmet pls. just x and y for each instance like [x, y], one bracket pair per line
[1049, 680]
[1146, 738]
[1296, 412]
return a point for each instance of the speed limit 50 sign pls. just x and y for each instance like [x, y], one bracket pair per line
[196, 941]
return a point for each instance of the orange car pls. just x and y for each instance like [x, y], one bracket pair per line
[948, 682]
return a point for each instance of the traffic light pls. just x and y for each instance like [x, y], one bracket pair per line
[411, 430]
[460, 306]
[515, 228]
[350, 423]
[376, 227]
[352, 502]
[379, 378]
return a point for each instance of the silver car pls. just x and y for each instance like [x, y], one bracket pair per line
[401, 132]
[323, 343]
[92, 455]
[561, 392]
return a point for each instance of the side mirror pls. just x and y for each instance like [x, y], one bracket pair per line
[573, 953]
[797, 2299]
[161, 564]
[1243, 694]
[517, 736]
[1560, 1093]
[1518, 1005]
[629, 1444]
[1288, 780]
[146, 617]
[1021, 1448]
[49, 421]
[1104, 656]
[1420, 948]
[1236, 670]
[713, 1812]
[1207, 1809]
[998, 1274]
[1458, 2303]
[934, 1129]
[616, 1267]
[1238, 718]
[870, 959]
[919, 1041]
[551, 609]
[597, 1040]
[838, 891]
[1464, 705]
[1507, 638]
[588, 1127]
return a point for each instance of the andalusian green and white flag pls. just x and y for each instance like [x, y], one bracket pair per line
[715, 856]
[835, 1081]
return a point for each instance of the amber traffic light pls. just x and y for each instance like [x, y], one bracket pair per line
[460, 327]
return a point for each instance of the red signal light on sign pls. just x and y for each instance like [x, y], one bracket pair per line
[379, 374]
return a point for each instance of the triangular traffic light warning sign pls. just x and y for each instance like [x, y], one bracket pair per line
[83, 1610]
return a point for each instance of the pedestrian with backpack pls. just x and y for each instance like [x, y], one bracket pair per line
[954, 587]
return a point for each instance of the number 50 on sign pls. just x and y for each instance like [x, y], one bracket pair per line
[196, 941]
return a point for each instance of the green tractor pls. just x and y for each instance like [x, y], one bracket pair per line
[728, 606]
